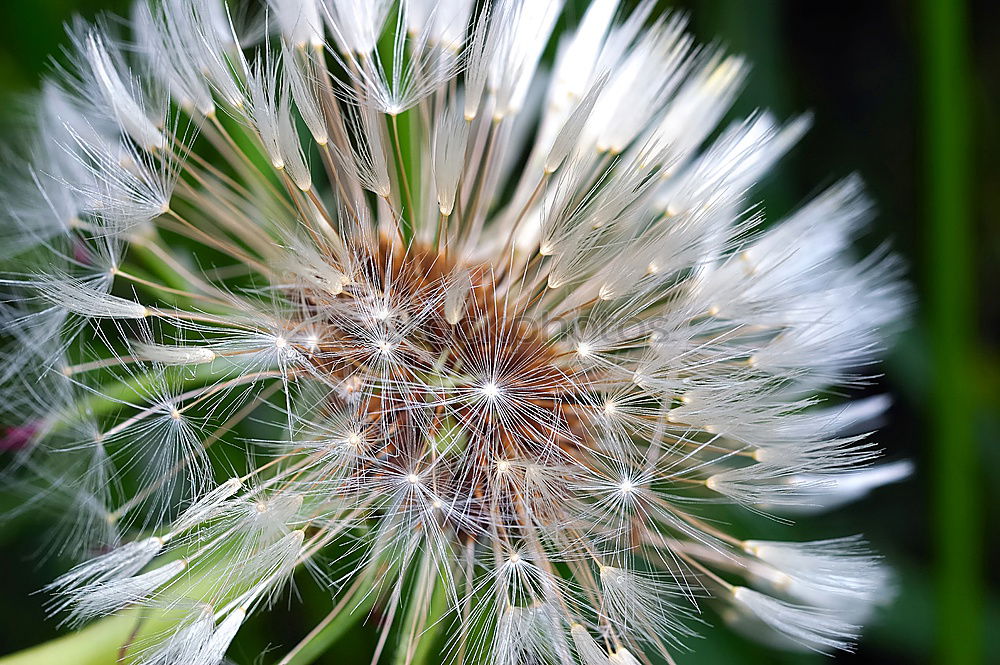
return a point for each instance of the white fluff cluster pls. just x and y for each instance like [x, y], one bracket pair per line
[474, 337]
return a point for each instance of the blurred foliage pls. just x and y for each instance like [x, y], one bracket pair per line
[858, 67]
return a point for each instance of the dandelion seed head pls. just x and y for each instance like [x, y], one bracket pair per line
[473, 327]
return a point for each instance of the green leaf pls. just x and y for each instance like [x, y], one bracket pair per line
[100, 643]
[97, 644]
[429, 618]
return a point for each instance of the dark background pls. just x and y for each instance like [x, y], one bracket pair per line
[863, 69]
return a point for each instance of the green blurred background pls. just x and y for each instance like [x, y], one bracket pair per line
[904, 93]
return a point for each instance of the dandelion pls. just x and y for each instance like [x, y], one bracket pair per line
[293, 291]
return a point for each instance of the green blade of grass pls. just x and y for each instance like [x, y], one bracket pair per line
[951, 319]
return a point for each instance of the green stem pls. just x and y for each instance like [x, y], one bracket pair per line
[951, 311]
